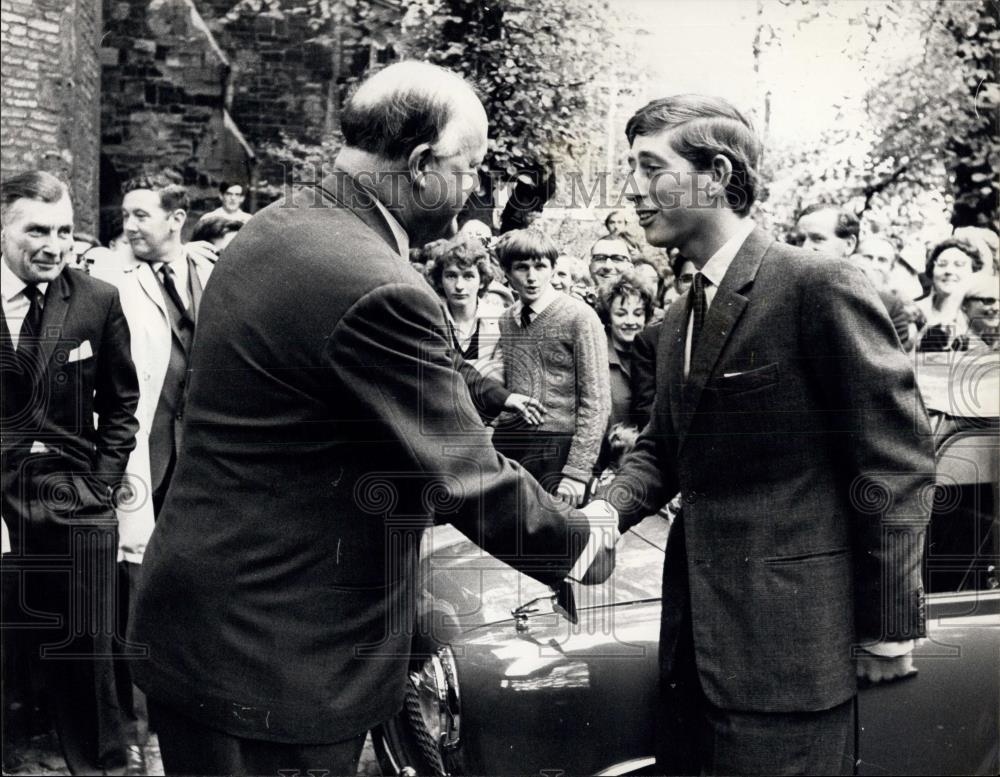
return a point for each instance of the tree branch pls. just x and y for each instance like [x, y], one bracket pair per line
[876, 188]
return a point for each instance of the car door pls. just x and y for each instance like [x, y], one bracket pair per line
[944, 720]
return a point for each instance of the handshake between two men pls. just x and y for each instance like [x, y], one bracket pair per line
[597, 561]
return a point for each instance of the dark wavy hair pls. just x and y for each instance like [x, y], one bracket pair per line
[962, 245]
[706, 126]
[167, 184]
[464, 252]
[625, 284]
[847, 224]
[214, 227]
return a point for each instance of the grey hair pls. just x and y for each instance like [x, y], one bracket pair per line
[32, 185]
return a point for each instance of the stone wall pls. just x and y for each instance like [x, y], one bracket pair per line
[164, 88]
[50, 92]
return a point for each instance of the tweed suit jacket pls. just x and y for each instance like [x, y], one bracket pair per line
[326, 427]
[802, 453]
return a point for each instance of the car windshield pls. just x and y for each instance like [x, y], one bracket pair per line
[474, 588]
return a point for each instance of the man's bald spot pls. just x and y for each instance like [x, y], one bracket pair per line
[406, 87]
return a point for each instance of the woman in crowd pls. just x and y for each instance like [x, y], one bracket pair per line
[950, 266]
[625, 307]
[460, 271]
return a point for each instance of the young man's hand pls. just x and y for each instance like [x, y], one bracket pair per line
[529, 408]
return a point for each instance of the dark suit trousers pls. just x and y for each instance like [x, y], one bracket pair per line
[693, 736]
[131, 700]
[64, 607]
[188, 747]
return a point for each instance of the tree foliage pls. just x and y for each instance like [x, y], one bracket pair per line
[929, 138]
[543, 70]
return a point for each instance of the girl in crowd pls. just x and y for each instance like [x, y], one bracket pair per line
[950, 266]
[460, 271]
[625, 308]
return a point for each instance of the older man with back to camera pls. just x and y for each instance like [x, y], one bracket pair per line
[325, 421]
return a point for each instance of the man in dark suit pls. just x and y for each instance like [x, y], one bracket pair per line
[326, 428]
[787, 418]
[65, 350]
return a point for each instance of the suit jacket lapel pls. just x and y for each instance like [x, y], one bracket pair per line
[723, 315]
[147, 280]
[196, 290]
[54, 315]
[671, 350]
[340, 187]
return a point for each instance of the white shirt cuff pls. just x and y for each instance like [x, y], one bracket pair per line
[890, 649]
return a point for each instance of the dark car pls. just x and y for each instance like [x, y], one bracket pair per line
[503, 683]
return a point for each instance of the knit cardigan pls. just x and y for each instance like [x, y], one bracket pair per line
[561, 359]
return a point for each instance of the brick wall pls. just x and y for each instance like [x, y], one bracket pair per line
[164, 85]
[281, 73]
[50, 92]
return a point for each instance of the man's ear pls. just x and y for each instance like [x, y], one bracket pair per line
[179, 216]
[722, 173]
[418, 162]
[852, 244]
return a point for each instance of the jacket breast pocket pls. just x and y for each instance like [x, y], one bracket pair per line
[732, 383]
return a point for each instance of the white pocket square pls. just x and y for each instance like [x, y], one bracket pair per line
[84, 351]
[731, 374]
[39, 447]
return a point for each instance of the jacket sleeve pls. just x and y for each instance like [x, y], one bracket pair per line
[488, 394]
[647, 478]
[116, 396]
[394, 361]
[643, 379]
[876, 412]
[593, 393]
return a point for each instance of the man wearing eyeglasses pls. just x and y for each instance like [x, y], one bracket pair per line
[609, 257]
[982, 307]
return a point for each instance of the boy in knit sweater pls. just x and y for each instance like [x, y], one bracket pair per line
[554, 348]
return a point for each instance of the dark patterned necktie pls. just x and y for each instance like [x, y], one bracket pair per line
[525, 316]
[699, 305]
[167, 273]
[31, 328]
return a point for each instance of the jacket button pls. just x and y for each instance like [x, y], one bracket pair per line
[691, 497]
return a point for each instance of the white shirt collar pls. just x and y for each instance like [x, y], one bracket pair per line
[179, 266]
[549, 295]
[715, 268]
[11, 284]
